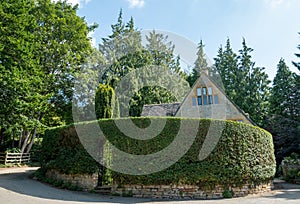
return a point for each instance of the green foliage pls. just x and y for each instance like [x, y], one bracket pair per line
[149, 95]
[282, 120]
[42, 45]
[199, 66]
[292, 167]
[228, 194]
[286, 136]
[124, 53]
[244, 83]
[282, 93]
[13, 150]
[297, 87]
[243, 154]
[105, 103]
[62, 150]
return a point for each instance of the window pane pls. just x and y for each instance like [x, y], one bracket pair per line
[204, 90]
[199, 92]
[199, 100]
[216, 99]
[210, 100]
[194, 101]
[204, 100]
[209, 90]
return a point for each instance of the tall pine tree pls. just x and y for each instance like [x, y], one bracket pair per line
[296, 99]
[199, 65]
[282, 91]
[226, 65]
[244, 83]
[282, 122]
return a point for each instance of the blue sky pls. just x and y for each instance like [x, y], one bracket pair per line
[270, 27]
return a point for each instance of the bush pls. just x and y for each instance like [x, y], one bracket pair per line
[243, 154]
[228, 194]
[291, 167]
[106, 105]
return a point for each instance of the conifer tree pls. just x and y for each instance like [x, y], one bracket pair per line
[244, 83]
[199, 65]
[282, 91]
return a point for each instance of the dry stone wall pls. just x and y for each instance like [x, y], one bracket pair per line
[187, 191]
[85, 181]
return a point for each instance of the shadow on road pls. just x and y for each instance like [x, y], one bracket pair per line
[19, 182]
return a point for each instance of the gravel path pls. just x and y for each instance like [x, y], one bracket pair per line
[17, 188]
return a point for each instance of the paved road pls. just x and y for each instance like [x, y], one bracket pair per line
[17, 188]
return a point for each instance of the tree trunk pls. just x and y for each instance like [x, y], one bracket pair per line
[24, 145]
[31, 141]
[21, 139]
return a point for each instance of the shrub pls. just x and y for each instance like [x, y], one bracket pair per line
[243, 154]
[228, 194]
[106, 105]
[291, 167]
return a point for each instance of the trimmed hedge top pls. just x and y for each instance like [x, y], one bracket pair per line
[243, 154]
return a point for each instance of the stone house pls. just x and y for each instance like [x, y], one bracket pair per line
[204, 100]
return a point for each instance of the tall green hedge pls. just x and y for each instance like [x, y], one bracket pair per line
[243, 154]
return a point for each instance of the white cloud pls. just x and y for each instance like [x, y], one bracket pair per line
[136, 3]
[74, 2]
[277, 3]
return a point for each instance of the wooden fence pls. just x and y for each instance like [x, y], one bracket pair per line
[14, 158]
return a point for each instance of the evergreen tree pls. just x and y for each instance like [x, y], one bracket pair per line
[244, 83]
[297, 64]
[253, 86]
[125, 40]
[226, 65]
[162, 52]
[105, 103]
[163, 58]
[199, 65]
[282, 91]
[296, 99]
[283, 112]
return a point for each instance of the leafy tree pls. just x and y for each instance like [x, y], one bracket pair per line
[124, 53]
[163, 58]
[42, 45]
[199, 66]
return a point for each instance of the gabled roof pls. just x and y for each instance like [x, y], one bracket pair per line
[204, 73]
[166, 109]
[174, 109]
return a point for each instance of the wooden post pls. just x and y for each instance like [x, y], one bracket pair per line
[5, 158]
